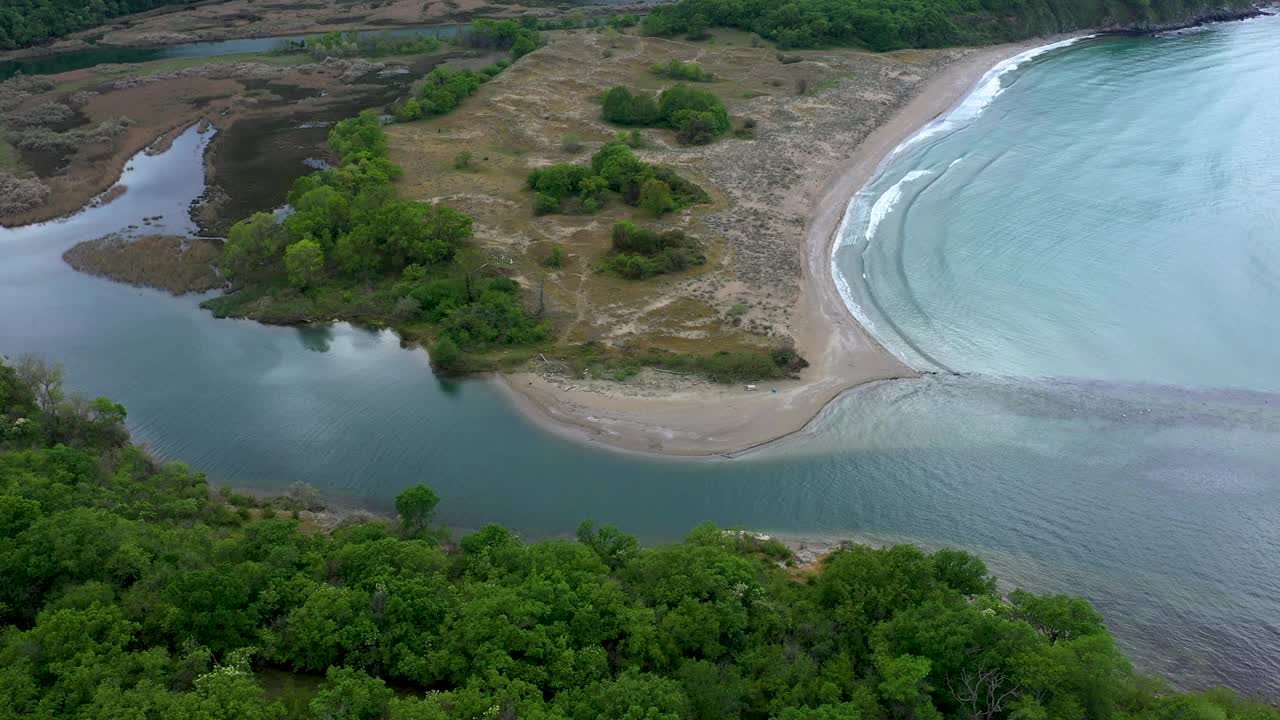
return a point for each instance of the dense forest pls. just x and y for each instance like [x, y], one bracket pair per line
[31, 22]
[892, 24]
[134, 590]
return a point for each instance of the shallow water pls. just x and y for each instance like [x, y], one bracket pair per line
[1113, 214]
[1160, 504]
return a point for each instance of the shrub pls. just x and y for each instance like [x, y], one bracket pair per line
[439, 92]
[631, 138]
[446, 355]
[655, 196]
[677, 70]
[558, 180]
[675, 104]
[640, 253]
[545, 204]
[695, 128]
[591, 191]
[556, 258]
[462, 161]
[622, 107]
[571, 144]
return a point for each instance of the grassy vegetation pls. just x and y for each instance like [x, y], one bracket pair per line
[678, 312]
[9, 159]
[725, 367]
[134, 591]
[687, 71]
[177, 265]
[158, 67]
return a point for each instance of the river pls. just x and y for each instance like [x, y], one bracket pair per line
[110, 54]
[1155, 497]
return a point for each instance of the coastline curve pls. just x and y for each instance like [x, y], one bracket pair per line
[719, 422]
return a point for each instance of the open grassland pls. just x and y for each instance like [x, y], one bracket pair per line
[803, 111]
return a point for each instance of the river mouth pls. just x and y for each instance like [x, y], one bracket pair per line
[1160, 504]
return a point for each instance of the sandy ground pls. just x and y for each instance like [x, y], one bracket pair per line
[694, 419]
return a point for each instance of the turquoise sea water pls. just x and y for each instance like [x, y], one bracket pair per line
[1156, 493]
[1113, 213]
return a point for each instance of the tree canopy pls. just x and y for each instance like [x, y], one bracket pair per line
[134, 590]
[30, 22]
[893, 24]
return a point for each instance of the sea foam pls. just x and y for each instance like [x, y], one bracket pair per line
[987, 89]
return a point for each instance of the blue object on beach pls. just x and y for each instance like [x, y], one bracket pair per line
[774, 389]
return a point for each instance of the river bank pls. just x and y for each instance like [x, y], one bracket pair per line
[679, 416]
[220, 20]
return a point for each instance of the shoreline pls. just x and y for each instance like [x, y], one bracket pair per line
[726, 421]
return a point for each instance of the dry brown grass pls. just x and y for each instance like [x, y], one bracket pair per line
[174, 264]
[158, 100]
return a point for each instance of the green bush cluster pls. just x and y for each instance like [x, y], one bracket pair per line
[439, 92]
[613, 168]
[698, 116]
[347, 226]
[626, 174]
[134, 592]
[554, 184]
[521, 39]
[623, 107]
[892, 24]
[677, 70]
[473, 311]
[346, 222]
[640, 253]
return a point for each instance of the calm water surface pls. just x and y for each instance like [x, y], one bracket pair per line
[1155, 496]
[65, 62]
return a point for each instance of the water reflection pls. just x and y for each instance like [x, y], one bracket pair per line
[316, 338]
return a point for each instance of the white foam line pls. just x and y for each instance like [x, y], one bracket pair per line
[987, 89]
[884, 204]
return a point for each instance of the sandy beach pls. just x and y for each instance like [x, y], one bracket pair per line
[703, 419]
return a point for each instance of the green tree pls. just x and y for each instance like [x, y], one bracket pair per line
[655, 197]
[416, 506]
[253, 245]
[613, 546]
[1057, 617]
[351, 695]
[446, 355]
[304, 261]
